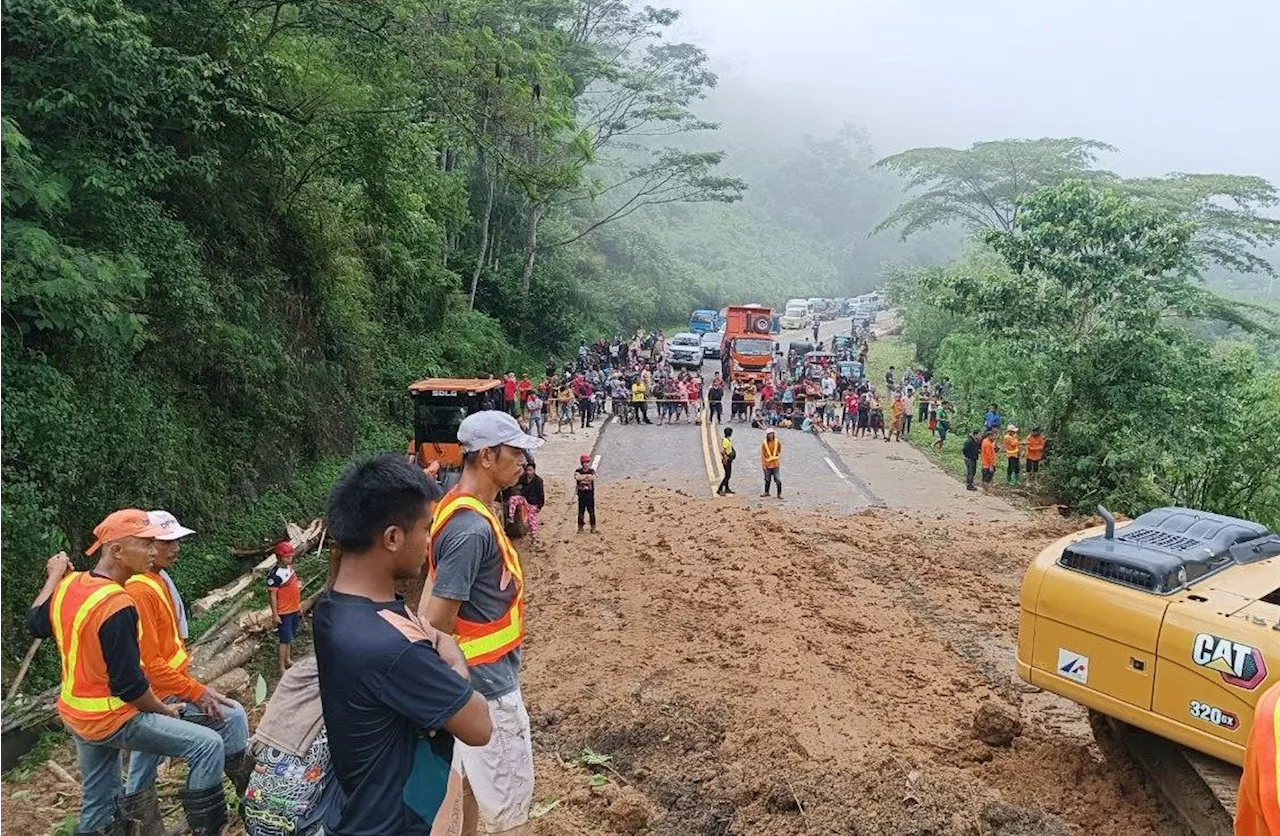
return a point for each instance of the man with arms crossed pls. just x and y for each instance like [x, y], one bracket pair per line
[393, 690]
[477, 594]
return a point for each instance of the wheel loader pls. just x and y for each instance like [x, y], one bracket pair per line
[439, 405]
[1167, 628]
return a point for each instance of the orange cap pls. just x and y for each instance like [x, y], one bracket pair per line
[128, 522]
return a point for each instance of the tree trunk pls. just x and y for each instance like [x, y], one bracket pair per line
[530, 248]
[491, 177]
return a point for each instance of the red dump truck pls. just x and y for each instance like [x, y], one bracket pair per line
[747, 351]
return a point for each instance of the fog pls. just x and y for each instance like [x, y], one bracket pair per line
[1177, 85]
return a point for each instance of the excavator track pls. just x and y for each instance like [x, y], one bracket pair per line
[1200, 790]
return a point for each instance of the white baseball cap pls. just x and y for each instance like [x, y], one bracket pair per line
[173, 530]
[493, 428]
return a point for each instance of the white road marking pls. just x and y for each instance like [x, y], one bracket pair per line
[833, 467]
[595, 463]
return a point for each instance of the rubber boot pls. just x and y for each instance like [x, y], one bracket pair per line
[239, 767]
[120, 826]
[143, 807]
[206, 810]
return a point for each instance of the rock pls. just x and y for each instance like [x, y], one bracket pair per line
[996, 725]
[629, 811]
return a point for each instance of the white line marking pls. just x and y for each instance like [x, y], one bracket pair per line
[613, 418]
[833, 467]
[595, 463]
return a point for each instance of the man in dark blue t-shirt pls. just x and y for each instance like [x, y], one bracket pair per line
[394, 690]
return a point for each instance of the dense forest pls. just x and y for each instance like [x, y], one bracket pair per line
[234, 231]
[1124, 317]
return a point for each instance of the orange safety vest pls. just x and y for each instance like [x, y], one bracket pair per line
[483, 642]
[1011, 444]
[81, 603]
[176, 653]
[770, 456]
[1258, 809]
[1035, 448]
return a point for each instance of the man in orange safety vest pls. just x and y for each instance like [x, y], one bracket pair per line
[477, 594]
[1258, 810]
[105, 699]
[771, 461]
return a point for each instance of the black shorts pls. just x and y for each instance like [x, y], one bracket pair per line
[1033, 465]
[988, 473]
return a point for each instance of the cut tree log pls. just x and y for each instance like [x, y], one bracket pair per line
[235, 683]
[303, 541]
[237, 654]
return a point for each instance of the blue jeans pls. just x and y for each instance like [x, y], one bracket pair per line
[234, 731]
[157, 734]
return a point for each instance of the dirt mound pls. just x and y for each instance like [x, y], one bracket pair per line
[754, 671]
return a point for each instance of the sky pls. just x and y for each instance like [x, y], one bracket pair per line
[1178, 85]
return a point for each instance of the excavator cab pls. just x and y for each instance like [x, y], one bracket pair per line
[439, 405]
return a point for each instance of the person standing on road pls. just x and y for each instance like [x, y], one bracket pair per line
[477, 594]
[972, 448]
[564, 414]
[394, 691]
[771, 461]
[988, 457]
[1035, 453]
[537, 419]
[727, 455]
[105, 700]
[509, 392]
[715, 398]
[585, 481]
[164, 655]
[1012, 450]
[639, 393]
[285, 594]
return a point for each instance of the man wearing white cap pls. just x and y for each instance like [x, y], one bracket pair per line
[162, 618]
[477, 594]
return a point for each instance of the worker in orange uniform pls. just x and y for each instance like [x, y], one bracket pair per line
[1258, 808]
[1035, 454]
[771, 461]
[165, 658]
[105, 699]
[987, 458]
[1013, 453]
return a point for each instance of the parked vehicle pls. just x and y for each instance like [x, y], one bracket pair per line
[711, 342]
[702, 321]
[795, 314]
[685, 351]
[747, 349]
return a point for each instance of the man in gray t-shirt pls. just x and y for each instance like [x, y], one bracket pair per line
[469, 570]
[477, 595]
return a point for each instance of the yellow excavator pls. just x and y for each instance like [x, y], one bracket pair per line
[1167, 628]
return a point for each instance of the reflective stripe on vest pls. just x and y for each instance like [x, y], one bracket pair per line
[771, 454]
[93, 698]
[159, 587]
[483, 642]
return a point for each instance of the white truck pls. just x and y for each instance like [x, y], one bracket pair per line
[795, 314]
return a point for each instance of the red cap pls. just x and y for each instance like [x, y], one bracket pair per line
[127, 522]
[585, 459]
[284, 549]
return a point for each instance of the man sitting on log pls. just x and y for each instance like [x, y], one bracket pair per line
[105, 699]
[165, 657]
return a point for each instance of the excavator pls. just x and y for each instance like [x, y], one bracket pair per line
[1167, 629]
[439, 405]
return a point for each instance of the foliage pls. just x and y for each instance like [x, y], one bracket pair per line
[234, 232]
[979, 188]
[1084, 333]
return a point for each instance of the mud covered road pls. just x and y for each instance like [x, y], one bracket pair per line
[760, 670]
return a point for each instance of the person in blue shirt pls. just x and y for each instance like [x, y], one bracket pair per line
[395, 691]
[992, 419]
